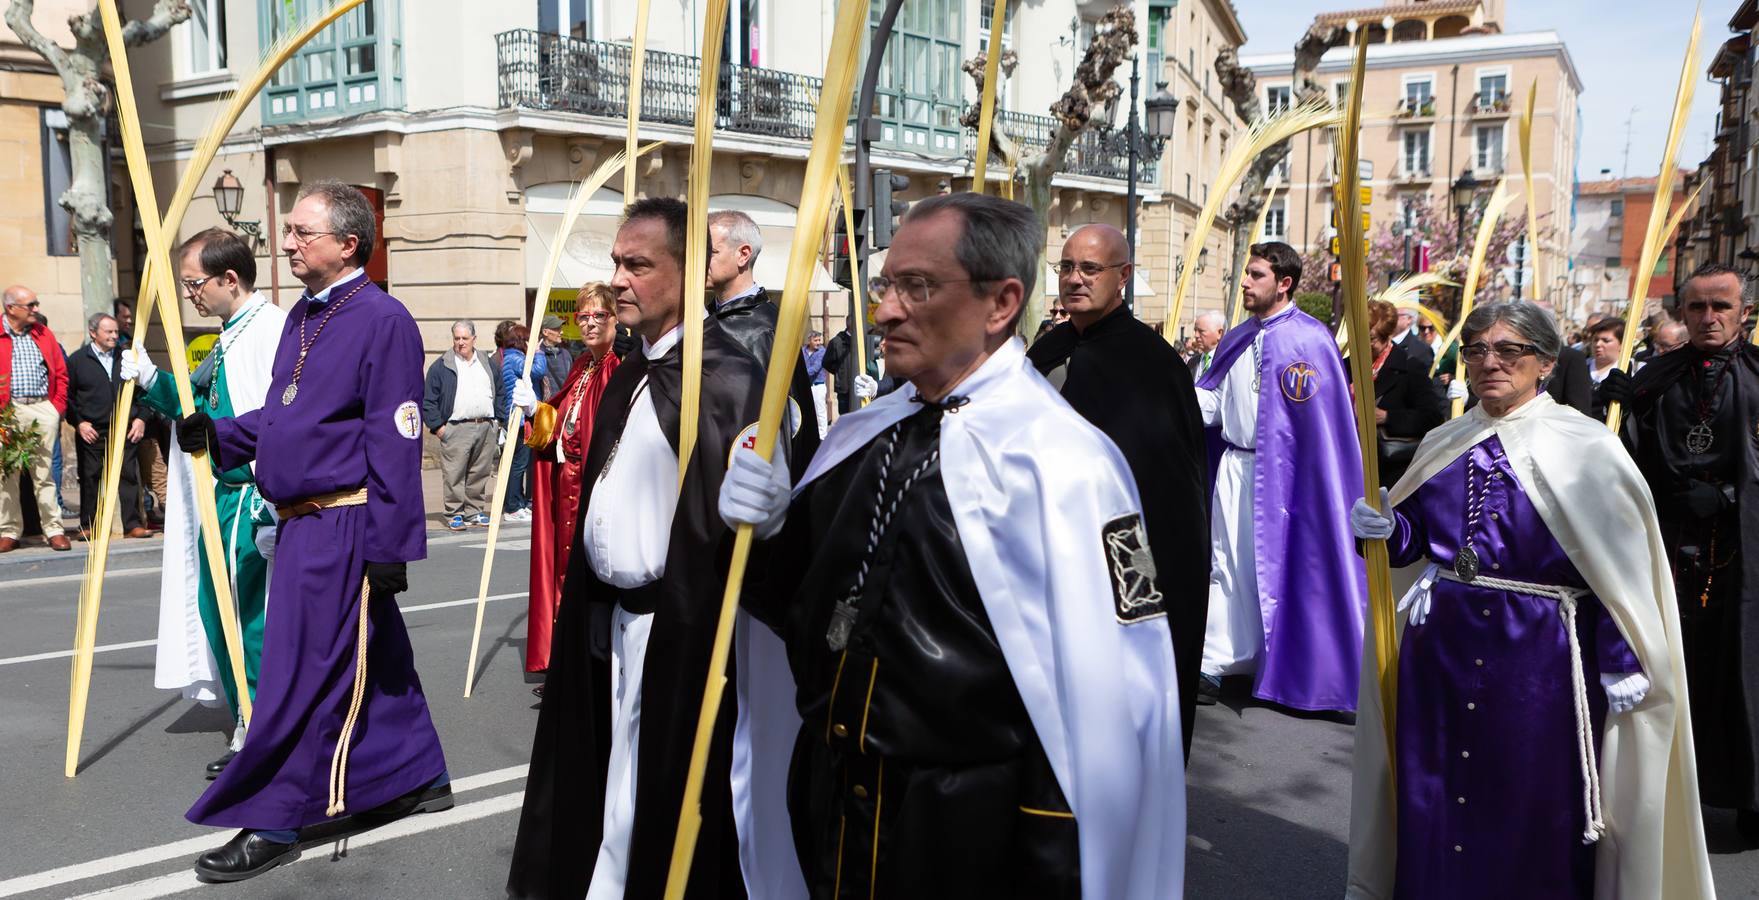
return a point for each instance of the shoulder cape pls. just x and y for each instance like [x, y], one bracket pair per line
[1603, 517]
[184, 660]
[1031, 483]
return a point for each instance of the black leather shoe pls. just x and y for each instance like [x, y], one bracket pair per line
[1208, 692]
[219, 765]
[245, 856]
[1747, 823]
[428, 799]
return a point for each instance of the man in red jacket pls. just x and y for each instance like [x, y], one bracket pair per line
[33, 381]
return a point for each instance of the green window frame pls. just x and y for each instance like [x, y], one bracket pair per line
[921, 89]
[353, 66]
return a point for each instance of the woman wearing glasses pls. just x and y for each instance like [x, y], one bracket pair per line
[1542, 740]
[561, 430]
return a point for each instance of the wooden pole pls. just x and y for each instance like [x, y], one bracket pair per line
[858, 328]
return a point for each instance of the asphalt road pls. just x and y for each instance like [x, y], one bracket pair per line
[1268, 791]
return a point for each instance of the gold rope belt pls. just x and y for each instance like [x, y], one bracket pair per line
[339, 759]
[309, 505]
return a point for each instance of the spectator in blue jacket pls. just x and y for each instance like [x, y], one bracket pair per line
[511, 338]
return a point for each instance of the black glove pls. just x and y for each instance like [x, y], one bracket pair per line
[387, 580]
[1702, 500]
[195, 433]
[1617, 388]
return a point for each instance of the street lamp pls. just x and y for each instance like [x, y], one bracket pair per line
[1465, 191]
[229, 197]
[1134, 144]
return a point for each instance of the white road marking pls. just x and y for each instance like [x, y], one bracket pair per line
[501, 545]
[77, 577]
[193, 847]
[132, 645]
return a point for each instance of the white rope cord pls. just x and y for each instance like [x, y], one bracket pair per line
[1567, 598]
[339, 759]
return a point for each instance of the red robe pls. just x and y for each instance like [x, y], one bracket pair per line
[555, 500]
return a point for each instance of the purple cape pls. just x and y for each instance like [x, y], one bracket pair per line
[1312, 587]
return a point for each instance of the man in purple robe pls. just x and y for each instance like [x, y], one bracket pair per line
[1287, 593]
[338, 451]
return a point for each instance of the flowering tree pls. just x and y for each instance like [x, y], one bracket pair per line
[1432, 222]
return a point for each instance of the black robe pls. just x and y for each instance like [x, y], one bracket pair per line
[1131, 384]
[562, 824]
[1714, 556]
[751, 321]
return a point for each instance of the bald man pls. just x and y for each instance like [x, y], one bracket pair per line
[1130, 383]
[1207, 329]
[33, 381]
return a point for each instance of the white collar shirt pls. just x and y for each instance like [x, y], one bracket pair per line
[475, 397]
[323, 296]
[629, 518]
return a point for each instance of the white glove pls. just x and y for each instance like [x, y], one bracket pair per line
[1456, 390]
[756, 493]
[1368, 523]
[1624, 691]
[865, 387]
[1420, 596]
[523, 396]
[266, 536]
[136, 365]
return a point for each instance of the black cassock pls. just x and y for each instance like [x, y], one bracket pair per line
[1708, 504]
[562, 824]
[1130, 383]
[917, 772]
[751, 321]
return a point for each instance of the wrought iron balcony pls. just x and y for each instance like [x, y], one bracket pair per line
[539, 70]
[544, 71]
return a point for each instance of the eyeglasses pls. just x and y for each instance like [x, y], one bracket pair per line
[191, 285]
[1059, 313]
[1088, 270]
[599, 316]
[1508, 352]
[302, 236]
[1426, 327]
[31, 305]
[915, 288]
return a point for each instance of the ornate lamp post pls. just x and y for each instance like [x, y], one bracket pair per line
[229, 197]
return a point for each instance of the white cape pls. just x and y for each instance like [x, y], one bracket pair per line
[184, 661]
[1597, 505]
[1030, 482]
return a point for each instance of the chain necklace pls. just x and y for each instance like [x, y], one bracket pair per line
[575, 398]
[305, 346]
[220, 353]
[1257, 359]
[843, 616]
[1466, 562]
[1702, 437]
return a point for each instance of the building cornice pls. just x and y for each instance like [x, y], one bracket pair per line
[1444, 51]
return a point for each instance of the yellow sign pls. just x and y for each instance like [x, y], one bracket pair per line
[1366, 224]
[199, 348]
[1335, 247]
[561, 305]
[1367, 195]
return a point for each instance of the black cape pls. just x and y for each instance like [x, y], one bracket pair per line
[751, 321]
[562, 824]
[1719, 617]
[1131, 384]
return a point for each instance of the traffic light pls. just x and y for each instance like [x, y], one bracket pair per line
[842, 249]
[887, 210]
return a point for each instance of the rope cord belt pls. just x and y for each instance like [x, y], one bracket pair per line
[1567, 599]
[339, 759]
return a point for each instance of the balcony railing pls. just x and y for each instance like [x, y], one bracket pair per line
[539, 70]
[544, 71]
[1415, 108]
[1490, 103]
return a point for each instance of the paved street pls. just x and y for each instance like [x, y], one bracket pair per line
[1269, 792]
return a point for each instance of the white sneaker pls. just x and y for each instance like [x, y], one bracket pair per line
[523, 515]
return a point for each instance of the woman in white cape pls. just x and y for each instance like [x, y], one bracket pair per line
[1542, 746]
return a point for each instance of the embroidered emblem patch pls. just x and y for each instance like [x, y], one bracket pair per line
[747, 440]
[407, 418]
[1131, 566]
[1300, 382]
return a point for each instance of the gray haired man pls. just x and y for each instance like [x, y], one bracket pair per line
[458, 407]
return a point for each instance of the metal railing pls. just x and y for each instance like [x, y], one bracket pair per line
[539, 70]
[544, 71]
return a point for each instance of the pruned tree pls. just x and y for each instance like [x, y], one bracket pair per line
[1240, 86]
[1091, 91]
[87, 104]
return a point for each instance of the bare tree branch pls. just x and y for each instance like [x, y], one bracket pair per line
[18, 18]
[165, 14]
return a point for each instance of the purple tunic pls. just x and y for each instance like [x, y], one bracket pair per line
[355, 422]
[1312, 587]
[1489, 784]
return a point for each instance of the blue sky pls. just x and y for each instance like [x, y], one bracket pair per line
[1627, 54]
